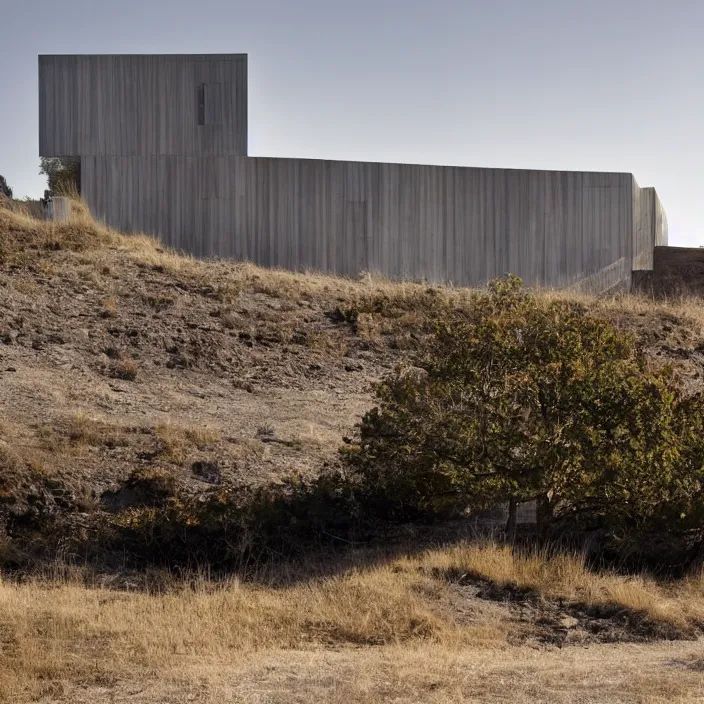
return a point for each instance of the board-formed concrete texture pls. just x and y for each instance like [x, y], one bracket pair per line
[175, 175]
[143, 105]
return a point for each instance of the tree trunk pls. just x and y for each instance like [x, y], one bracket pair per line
[543, 514]
[511, 522]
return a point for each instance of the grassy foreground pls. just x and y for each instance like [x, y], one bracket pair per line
[409, 629]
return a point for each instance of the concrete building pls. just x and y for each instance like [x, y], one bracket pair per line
[163, 148]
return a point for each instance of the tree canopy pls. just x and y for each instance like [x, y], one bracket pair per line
[520, 399]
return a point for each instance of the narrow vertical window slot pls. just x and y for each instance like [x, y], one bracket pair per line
[201, 103]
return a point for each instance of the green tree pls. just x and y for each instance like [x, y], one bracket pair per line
[517, 399]
[5, 190]
[63, 173]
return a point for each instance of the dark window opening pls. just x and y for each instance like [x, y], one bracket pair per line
[201, 104]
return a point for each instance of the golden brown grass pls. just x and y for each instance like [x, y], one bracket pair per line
[109, 308]
[201, 436]
[57, 635]
[78, 431]
[177, 441]
[126, 369]
[59, 632]
[566, 577]
[84, 429]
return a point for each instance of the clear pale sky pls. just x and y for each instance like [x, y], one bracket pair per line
[601, 85]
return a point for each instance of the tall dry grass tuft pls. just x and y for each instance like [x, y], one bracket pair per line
[55, 632]
[564, 576]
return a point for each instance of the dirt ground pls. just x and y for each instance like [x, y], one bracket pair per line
[598, 674]
[273, 386]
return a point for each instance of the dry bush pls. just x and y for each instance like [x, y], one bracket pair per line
[109, 308]
[126, 369]
[228, 318]
[175, 441]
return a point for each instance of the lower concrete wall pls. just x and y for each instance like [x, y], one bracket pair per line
[435, 223]
[677, 272]
[58, 209]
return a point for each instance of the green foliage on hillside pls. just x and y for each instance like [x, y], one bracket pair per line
[5, 189]
[63, 174]
[516, 400]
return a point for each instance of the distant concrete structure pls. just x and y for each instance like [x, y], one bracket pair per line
[54, 208]
[163, 148]
[59, 209]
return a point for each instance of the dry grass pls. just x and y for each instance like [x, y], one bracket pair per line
[566, 577]
[126, 369]
[201, 437]
[74, 434]
[83, 429]
[58, 635]
[177, 441]
[67, 632]
[109, 309]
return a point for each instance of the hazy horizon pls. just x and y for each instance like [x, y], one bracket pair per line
[540, 85]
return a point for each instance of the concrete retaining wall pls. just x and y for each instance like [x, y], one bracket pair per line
[436, 223]
[59, 209]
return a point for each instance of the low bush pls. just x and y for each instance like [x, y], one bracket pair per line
[517, 399]
[235, 527]
[5, 189]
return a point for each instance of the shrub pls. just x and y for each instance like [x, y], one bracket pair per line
[63, 174]
[5, 190]
[516, 400]
[235, 526]
[126, 369]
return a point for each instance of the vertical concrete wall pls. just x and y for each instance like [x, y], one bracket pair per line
[142, 105]
[437, 223]
[650, 226]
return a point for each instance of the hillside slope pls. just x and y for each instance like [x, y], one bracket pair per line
[117, 354]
